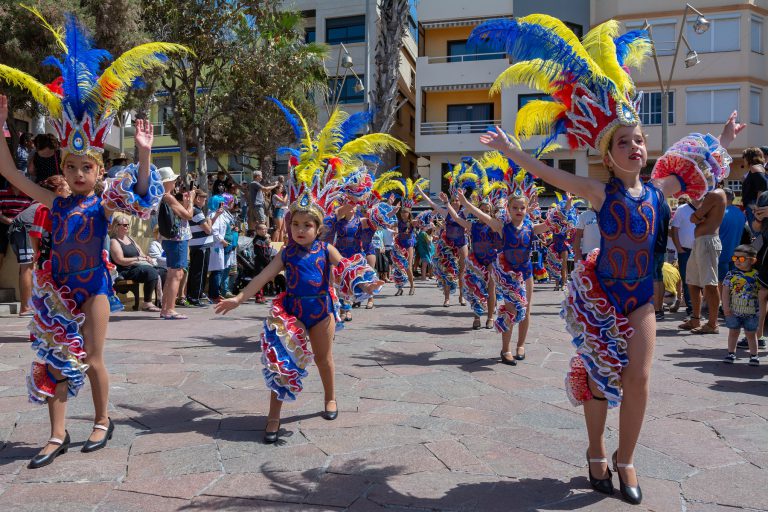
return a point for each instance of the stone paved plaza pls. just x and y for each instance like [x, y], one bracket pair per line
[429, 420]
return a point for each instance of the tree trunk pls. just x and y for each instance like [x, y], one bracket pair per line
[202, 158]
[393, 23]
[182, 137]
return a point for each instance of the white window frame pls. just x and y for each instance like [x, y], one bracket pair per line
[712, 89]
[756, 22]
[759, 92]
[636, 25]
[671, 112]
[711, 33]
[734, 185]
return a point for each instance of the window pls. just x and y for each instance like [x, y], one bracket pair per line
[458, 51]
[445, 168]
[754, 106]
[756, 34]
[734, 185]
[345, 30]
[524, 99]
[708, 106]
[663, 32]
[348, 92]
[723, 34]
[476, 117]
[310, 35]
[162, 161]
[213, 164]
[567, 165]
[650, 108]
[191, 164]
[576, 28]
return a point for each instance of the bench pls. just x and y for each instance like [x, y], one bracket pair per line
[126, 285]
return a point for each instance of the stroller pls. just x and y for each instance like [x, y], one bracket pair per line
[247, 269]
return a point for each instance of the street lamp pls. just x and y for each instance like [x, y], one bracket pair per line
[342, 61]
[700, 26]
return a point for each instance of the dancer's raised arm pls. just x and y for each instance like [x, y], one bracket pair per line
[492, 222]
[453, 213]
[439, 209]
[588, 188]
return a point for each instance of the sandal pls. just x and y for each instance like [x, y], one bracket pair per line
[38, 461]
[151, 308]
[504, 360]
[462, 302]
[705, 329]
[689, 324]
[446, 303]
[174, 316]
[476, 324]
[411, 291]
[399, 292]
[369, 305]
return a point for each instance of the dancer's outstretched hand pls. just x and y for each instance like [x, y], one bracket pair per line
[443, 197]
[731, 129]
[496, 139]
[368, 288]
[225, 306]
[144, 134]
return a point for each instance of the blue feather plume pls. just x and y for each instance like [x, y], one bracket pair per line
[354, 125]
[374, 159]
[298, 131]
[624, 41]
[285, 150]
[526, 41]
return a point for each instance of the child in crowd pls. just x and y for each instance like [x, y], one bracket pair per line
[262, 255]
[425, 247]
[739, 297]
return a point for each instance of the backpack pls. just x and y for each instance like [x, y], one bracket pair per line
[167, 222]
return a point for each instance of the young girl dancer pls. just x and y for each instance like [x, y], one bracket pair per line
[71, 290]
[609, 306]
[561, 217]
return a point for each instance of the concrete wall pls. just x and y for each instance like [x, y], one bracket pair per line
[573, 11]
[441, 10]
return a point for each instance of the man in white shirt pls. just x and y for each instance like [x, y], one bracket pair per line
[682, 233]
[587, 235]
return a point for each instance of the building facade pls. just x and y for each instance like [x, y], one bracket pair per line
[732, 73]
[453, 82]
[354, 23]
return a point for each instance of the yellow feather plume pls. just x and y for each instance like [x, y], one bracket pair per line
[330, 136]
[57, 33]
[549, 148]
[561, 30]
[639, 50]
[494, 159]
[599, 44]
[114, 82]
[307, 142]
[534, 73]
[371, 144]
[537, 117]
[39, 91]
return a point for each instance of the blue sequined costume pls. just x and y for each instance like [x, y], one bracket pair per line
[485, 245]
[455, 233]
[308, 289]
[510, 270]
[348, 236]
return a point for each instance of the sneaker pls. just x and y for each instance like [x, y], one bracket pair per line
[197, 304]
[675, 306]
[761, 342]
[745, 345]
[182, 303]
[659, 315]
[730, 358]
[229, 295]
[754, 361]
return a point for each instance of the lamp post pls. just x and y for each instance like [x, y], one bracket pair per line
[700, 26]
[343, 61]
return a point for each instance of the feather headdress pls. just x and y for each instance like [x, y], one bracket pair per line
[83, 100]
[393, 183]
[592, 92]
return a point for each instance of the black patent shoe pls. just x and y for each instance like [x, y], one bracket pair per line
[38, 461]
[272, 437]
[604, 485]
[633, 495]
[92, 446]
[330, 415]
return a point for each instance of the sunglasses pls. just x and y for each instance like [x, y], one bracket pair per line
[124, 225]
[743, 259]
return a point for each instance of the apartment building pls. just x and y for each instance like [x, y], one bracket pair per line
[732, 72]
[453, 82]
[354, 23]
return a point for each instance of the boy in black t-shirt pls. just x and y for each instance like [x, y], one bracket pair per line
[262, 254]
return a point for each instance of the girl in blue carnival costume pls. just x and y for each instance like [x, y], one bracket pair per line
[609, 308]
[512, 270]
[303, 319]
[561, 217]
[72, 290]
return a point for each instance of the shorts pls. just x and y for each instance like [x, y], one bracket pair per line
[748, 323]
[257, 214]
[176, 253]
[21, 245]
[658, 263]
[702, 263]
[280, 213]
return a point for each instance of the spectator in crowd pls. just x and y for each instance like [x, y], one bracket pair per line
[731, 231]
[217, 262]
[40, 234]
[701, 272]
[118, 164]
[760, 227]
[24, 149]
[131, 262]
[12, 203]
[663, 218]
[156, 251]
[755, 180]
[673, 285]
[222, 178]
[256, 189]
[199, 248]
[229, 275]
[279, 209]
[682, 233]
[740, 303]
[176, 247]
[46, 161]
[262, 255]
[586, 236]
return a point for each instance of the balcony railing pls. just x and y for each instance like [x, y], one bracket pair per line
[472, 57]
[458, 127]
[161, 129]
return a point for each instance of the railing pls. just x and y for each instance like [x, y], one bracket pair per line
[161, 129]
[466, 58]
[457, 127]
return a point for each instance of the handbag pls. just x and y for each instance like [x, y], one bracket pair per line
[167, 222]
